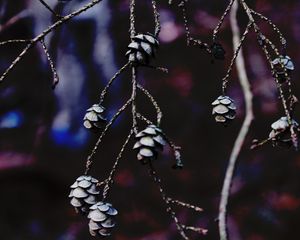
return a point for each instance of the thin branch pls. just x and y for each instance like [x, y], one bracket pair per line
[218, 27]
[154, 103]
[15, 41]
[240, 64]
[133, 97]
[117, 74]
[156, 18]
[49, 8]
[163, 194]
[53, 69]
[275, 28]
[235, 55]
[109, 180]
[45, 33]
[89, 161]
[186, 205]
[189, 39]
[132, 18]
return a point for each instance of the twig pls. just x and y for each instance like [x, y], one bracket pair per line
[89, 161]
[109, 180]
[189, 39]
[45, 33]
[53, 69]
[15, 41]
[154, 103]
[50, 9]
[218, 27]
[156, 18]
[110, 82]
[240, 64]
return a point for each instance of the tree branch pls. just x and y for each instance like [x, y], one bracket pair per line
[240, 64]
[41, 36]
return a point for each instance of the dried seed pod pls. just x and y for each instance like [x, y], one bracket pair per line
[102, 219]
[282, 64]
[149, 142]
[142, 48]
[84, 193]
[281, 132]
[218, 51]
[93, 118]
[224, 109]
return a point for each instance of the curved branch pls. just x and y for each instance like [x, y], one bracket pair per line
[240, 64]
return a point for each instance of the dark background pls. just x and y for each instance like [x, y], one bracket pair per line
[43, 145]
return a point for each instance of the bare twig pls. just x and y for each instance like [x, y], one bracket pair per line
[53, 69]
[189, 39]
[240, 64]
[154, 103]
[42, 35]
[49, 9]
[89, 161]
[109, 180]
[110, 82]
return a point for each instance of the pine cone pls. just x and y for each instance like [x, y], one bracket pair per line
[149, 142]
[287, 63]
[281, 134]
[102, 219]
[224, 109]
[142, 48]
[83, 193]
[93, 118]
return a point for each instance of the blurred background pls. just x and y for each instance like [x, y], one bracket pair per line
[43, 144]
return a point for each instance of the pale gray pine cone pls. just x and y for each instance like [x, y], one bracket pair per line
[102, 219]
[93, 118]
[142, 48]
[281, 134]
[149, 142]
[84, 193]
[287, 63]
[224, 109]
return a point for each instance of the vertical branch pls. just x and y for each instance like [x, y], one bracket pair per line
[156, 18]
[133, 97]
[132, 18]
[240, 64]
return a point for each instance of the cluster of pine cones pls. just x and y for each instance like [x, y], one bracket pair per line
[84, 198]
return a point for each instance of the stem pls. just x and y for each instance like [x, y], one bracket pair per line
[240, 64]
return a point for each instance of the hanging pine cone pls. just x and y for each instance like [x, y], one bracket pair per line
[142, 48]
[282, 64]
[149, 142]
[281, 133]
[102, 219]
[93, 118]
[83, 193]
[217, 51]
[224, 109]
